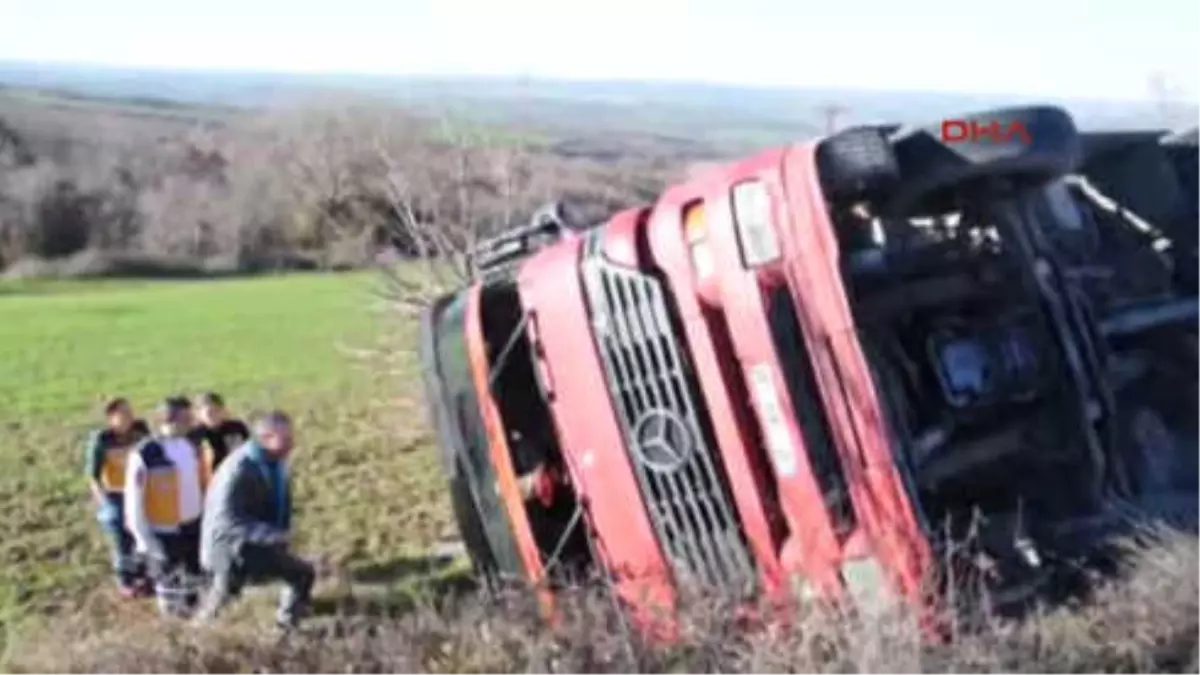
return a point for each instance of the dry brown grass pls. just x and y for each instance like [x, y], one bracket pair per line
[1146, 620]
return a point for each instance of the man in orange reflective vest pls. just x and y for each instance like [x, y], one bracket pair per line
[107, 451]
[163, 503]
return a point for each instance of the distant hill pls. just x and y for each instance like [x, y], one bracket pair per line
[721, 117]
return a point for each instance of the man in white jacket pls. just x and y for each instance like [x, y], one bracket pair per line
[163, 503]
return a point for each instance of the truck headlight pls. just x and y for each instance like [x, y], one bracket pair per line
[695, 230]
[754, 224]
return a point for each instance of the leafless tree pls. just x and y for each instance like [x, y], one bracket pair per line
[334, 182]
[445, 194]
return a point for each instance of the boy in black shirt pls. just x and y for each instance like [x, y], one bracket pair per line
[218, 434]
[106, 454]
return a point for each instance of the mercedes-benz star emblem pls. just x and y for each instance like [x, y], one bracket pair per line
[663, 440]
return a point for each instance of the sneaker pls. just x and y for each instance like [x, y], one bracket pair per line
[286, 629]
[291, 611]
[287, 622]
[143, 588]
[128, 591]
[203, 616]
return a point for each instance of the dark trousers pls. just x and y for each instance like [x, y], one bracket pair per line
[127, 566]
[177, 575]
[261, 565]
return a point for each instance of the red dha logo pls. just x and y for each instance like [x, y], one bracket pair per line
[972, 131]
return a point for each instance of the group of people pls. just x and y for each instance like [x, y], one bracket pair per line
[198, 506]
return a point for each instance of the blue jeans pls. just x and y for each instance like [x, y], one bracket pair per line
[126, 565]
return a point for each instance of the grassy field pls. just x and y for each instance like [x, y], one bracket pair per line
[371, 511]
[368, 496]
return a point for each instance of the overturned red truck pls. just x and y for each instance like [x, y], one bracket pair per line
[812, 371]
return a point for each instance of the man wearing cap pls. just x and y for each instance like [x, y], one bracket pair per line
[164, 499]
[247, 520]
[107, 451]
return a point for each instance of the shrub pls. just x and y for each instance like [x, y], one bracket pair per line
[1145, 620]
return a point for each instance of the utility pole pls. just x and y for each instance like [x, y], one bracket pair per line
[833, 113]
[1167, 96]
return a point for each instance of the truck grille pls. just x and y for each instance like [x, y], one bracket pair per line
[656, 399]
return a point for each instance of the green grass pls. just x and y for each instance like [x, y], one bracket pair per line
[371, 507]
[66, 348]
[369, 499]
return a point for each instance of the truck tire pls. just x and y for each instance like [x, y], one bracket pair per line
[1032, 145]
[470, 525]
[437, 415]
[856, 163]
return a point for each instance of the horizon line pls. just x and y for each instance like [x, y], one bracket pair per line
[532, 79]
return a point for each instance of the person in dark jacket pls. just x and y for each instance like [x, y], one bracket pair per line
[247, 521]
[107, 451]
[218, 433]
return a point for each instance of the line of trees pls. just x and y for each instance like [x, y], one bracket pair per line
[330, 185]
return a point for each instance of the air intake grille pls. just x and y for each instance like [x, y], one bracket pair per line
[656, 399]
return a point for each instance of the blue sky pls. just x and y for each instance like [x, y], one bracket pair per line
[1099, 48]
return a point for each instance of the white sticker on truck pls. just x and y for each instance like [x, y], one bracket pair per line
[770, 416]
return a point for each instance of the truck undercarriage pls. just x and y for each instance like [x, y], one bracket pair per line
[1036, 352]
